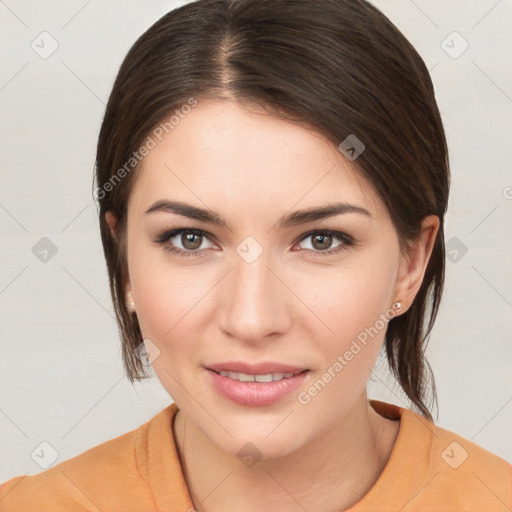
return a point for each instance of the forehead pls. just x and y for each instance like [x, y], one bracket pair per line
[225, 154]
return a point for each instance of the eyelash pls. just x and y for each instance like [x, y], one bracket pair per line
[164, 237]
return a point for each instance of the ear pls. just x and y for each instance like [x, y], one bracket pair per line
[111, 220]
[414, 264]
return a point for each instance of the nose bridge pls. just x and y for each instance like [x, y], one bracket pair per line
[254, 305]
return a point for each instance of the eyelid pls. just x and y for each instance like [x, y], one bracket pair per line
[166, 235]
[332, 232]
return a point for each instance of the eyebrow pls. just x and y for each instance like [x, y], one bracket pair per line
[292, 219]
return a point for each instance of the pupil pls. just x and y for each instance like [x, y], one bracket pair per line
[187, 237]
[324, 238]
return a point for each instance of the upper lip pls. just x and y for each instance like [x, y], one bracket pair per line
[263, 368]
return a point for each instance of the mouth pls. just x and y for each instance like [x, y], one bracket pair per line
[266, 371]
[266, 377]
[255, 385]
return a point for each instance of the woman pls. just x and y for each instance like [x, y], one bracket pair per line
[272, 179]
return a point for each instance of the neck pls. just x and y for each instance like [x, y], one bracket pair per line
[331, 473]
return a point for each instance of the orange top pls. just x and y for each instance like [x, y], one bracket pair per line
[430, 469]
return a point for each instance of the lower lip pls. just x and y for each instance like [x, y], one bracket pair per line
[255, 394]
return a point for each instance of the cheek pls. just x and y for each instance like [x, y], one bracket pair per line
[357, 312]
[353, 306]
[168, 302]
[351, 298]
[169, 316]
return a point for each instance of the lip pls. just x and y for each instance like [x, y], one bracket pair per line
[262, 368]
[255, 394]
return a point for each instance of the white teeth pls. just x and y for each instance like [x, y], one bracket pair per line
[244, 377]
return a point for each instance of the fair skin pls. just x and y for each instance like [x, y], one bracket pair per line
[287, 306]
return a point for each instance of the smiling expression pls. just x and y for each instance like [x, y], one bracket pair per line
[224, 269]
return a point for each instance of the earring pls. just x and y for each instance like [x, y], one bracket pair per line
[397, 306]
[130, 302]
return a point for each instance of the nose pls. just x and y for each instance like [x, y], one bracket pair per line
[254, 302]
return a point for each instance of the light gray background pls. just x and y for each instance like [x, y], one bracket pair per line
[61, 378]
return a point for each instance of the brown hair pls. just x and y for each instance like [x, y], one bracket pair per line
[338, 65]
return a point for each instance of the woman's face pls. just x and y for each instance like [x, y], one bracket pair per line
[258, 290]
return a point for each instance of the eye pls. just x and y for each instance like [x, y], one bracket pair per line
[191, 240]
[323, 240]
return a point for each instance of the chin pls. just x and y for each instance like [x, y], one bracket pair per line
[251, 449]
[256, 442]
